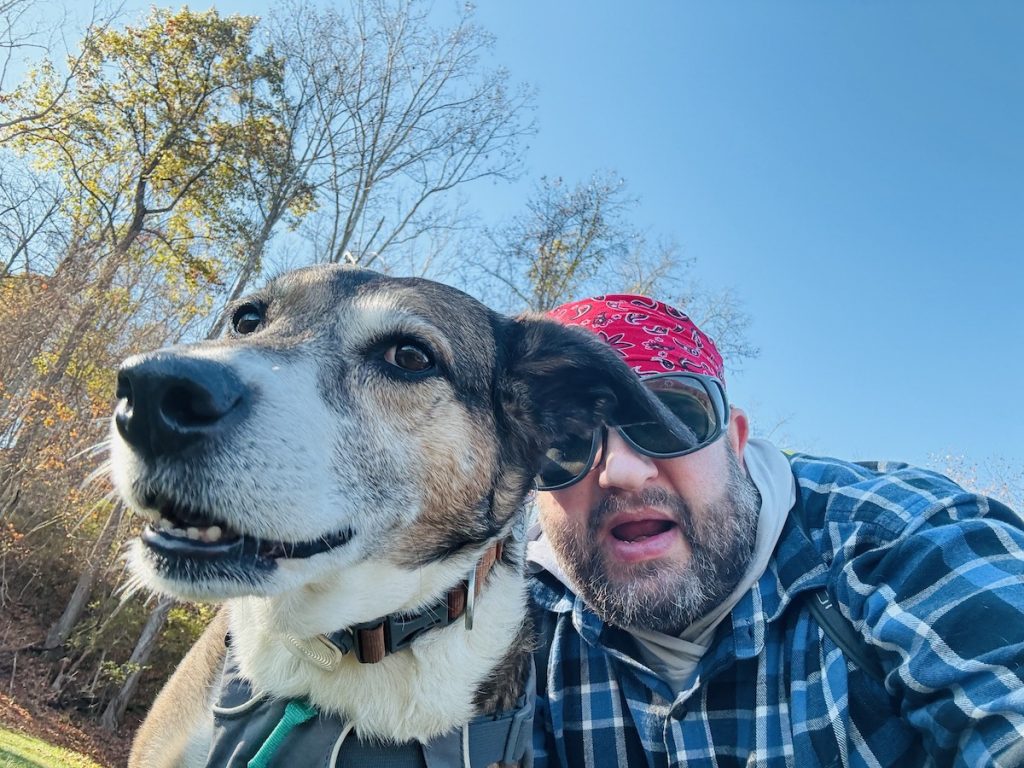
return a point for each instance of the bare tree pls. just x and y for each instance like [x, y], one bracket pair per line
[29, 208]
[380, 117]
[995, 477]
[578, 239]
[401, 113]
[568, 235]
[13, 34]
[721, 315]
[273, 168]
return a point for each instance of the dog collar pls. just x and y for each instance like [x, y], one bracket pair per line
[371, 641]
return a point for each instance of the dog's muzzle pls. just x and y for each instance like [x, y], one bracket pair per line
[175, 409]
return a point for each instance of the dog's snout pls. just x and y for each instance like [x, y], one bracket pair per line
[168, 402]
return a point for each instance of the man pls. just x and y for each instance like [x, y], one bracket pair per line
[673, 581]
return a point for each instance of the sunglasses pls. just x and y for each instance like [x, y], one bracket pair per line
[698, 402]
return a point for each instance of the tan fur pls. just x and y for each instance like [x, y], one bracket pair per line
[183, 706]
[448, 484]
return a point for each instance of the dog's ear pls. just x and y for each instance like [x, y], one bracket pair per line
[560, 379]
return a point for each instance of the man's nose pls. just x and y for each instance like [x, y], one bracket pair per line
[622, 467]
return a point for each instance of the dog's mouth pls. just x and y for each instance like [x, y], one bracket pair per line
[183, 532]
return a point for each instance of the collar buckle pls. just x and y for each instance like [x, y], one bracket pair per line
[401, 629]
[371, 641]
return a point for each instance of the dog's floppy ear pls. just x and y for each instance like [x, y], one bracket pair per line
[560, 379]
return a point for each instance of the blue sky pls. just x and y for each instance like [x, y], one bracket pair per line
[853, 171]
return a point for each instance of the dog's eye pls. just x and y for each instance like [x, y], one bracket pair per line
[247, 319]
[409, 356]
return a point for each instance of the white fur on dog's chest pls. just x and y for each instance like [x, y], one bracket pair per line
[416, 694]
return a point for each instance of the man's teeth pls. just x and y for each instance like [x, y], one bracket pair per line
[210, 535]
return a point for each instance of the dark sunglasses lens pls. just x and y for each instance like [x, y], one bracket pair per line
[565, 461]
[691, 404]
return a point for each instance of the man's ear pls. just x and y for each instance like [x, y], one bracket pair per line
[557, 379]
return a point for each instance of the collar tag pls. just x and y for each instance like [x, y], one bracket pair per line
[470, 599]
[318, 650]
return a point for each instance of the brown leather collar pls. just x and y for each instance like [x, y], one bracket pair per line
[371, 641]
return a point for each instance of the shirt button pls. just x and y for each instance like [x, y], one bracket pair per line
[678, 711]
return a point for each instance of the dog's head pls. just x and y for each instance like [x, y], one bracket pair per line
[347, 416]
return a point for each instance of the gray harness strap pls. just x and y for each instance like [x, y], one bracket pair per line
[243, 721]
[505, 738]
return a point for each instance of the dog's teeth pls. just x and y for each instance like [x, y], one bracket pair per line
[192, 533]
[166, 524]
[213, 533]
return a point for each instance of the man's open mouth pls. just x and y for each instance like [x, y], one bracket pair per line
[635, 540]
[639, 530]
[189, 533]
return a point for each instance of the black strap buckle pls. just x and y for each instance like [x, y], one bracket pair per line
[399, 629]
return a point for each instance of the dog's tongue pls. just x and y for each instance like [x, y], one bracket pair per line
[640, 529]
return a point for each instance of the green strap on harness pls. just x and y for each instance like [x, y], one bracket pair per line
[295, 713]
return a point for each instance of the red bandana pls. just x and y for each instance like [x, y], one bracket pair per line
[652, 337]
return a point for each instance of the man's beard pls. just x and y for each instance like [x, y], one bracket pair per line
[661, 595]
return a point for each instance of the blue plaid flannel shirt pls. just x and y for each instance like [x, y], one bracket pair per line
[932, 577]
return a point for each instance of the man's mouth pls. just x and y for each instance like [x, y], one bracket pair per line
[640, 530]
[635, 539]
[185, 532]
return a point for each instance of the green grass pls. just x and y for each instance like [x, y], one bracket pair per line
[20, 751]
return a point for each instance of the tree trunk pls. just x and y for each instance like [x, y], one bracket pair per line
[112, 715]
[60, 631]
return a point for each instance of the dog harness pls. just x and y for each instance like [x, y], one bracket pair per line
[252, 731]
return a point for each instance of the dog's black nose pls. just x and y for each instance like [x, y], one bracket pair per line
[169, 401]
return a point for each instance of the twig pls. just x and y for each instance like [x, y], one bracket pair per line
[14, 669]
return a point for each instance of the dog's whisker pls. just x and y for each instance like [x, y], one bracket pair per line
[92, 450]
[133, 583]
[103, 471]
[107, 499]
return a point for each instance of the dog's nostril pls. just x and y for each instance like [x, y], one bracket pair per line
[184, 405]
[124, 389]
[124, 413]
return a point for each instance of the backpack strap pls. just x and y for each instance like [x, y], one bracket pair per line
[828, 615]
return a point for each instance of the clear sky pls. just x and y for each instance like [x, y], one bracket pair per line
[853, 171]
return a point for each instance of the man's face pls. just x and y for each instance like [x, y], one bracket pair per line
[656, 543]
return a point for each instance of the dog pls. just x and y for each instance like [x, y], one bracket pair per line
[347, 471]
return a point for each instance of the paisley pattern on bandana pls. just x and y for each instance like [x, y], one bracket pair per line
[651, 336]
